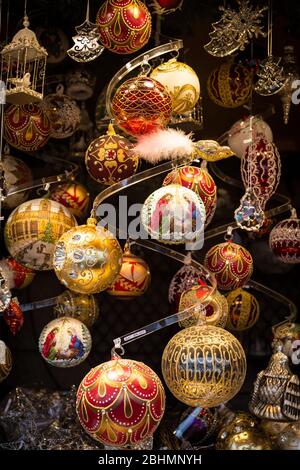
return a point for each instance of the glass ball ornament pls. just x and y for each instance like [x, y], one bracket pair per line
[243, 310]
[5, 361]
[230, 85]
[185, 278]
[74, 196]
[110, 158]
[26, 127]
[201, 426]
[181, 81]
[87, 259]
[32, 230]
[204, 366]
[124, 25]
[284, 240]
[198, 180]
[83, 307]
[231, 264]
[19, 276]
[120, 402]
[63, 113]
[173, 214]
[141, 105]
[240, 135]
[16, 173]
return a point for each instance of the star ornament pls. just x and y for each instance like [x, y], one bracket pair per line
[86, 43]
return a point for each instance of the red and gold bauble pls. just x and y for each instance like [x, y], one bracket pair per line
[230, 85]
[74, 196]
[141, 105]
[124, 25]
[199, 181]
[13, 316]
[20, 276]
[243, 310]
[162, 7]
[110, 158]
[231, 264]
[120, 402]
[285, 240]
[26, 127]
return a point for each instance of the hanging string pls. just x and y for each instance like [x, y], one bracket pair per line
[88, 11]
[7, 22]
[25, 8]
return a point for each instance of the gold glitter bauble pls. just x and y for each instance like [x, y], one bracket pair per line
[83, 307]
[5, 361]
[215, 311]
[243, 310]
[87, 259]
[204, 366]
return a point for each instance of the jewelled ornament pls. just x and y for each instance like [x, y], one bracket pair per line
[141, 105]
[110, 158]
[74, 196]
[26, 127]
[230, 85]
[13, 316]
[249, 215]
[16, 173]
[241, 134]
[235, 29]
[198, 180]
[80, 306]
[65, 342]
[271, 77]
[120, 403]
[87, 259]
[181, 82]
[124, 25]
[243, 310]
[212, 151]
[285, 239]
[215, 377]
[164, 7]
[5, 361]
[63, 113]
[19, 276]
[32, 230]
[174, 214]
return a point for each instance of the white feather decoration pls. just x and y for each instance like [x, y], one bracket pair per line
[164, 144]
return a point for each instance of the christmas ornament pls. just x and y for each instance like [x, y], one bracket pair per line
[289, 439]
[198, 427]
[199, 181]
[19, 276]
[185, 278]
[215, 311]
[80, 306]
[13, 316]
[291, 75]
[32, 230]
[124, 25]
[241, 134]
[5, 294]
[164, 7]
[243, 310]
[212, 151]
[181, 82]
[284, 337]
[249, 215]
[231, 264]
[5, 361]
[235, 29]
[65, 342]
[23, 67]
[26, 127]
[173, 214]
[63, 113]
[215, 377]
[273, 428]
[16, 173]
[141, 105]
[271, 77]
[266, 261]
[229, 85]
[80, 84]
[276, 391]
[87, 259]
[83, 135]
[120, 402]
[133, 279]
[74, 196]
[56, 43]
[110, 158]
[285, 239]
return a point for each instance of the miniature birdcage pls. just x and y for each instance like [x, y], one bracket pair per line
[23, 65]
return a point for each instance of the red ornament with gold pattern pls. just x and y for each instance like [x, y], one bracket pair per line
[124, 25]
[120, 402]
[163, 7]
[285, 239]
[26, 127]
[199, 181]
[13, 316]
[141, 105]
[19, 276]
[134, 277]
[110, 158]
[74, 196]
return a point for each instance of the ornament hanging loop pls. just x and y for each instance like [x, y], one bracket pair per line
[145, 67]
[117, 347]
[229, 234]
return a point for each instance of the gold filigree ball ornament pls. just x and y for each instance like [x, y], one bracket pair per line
[32, 230]
[243, 310]
[141, 105]
[83, 307]
[289, 438]
[133, 279]
[200, 181]
[174, 214]
[110, 158]
[240, 134]
[74, 196]
[5, 361]
[87, 259]
[65, 342]
[16, 173]
[120, 403]
[285, 239]
[230, 85]
[204, 366]
[181, 81]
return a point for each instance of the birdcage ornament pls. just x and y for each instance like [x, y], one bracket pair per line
[23, 66]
